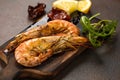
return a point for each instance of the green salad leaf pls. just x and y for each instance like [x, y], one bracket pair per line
[99, 31]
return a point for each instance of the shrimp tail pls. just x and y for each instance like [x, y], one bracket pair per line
[33, 33]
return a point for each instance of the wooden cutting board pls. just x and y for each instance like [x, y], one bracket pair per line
[47, 70]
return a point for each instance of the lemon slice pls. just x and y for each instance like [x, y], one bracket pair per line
[68, 6]
[84, 6]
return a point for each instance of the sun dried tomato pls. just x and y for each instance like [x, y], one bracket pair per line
[37, 11]
[56, 13]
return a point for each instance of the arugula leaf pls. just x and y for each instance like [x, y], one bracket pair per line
[97, 32]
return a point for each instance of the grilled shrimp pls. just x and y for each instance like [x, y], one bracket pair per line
[55, 27]
[34, 51]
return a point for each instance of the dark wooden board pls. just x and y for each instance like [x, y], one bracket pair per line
[47, 70]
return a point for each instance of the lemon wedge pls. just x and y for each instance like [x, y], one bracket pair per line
[68, 6]
[84, 6]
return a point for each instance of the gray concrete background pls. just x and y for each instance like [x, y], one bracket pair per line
[99, 64]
